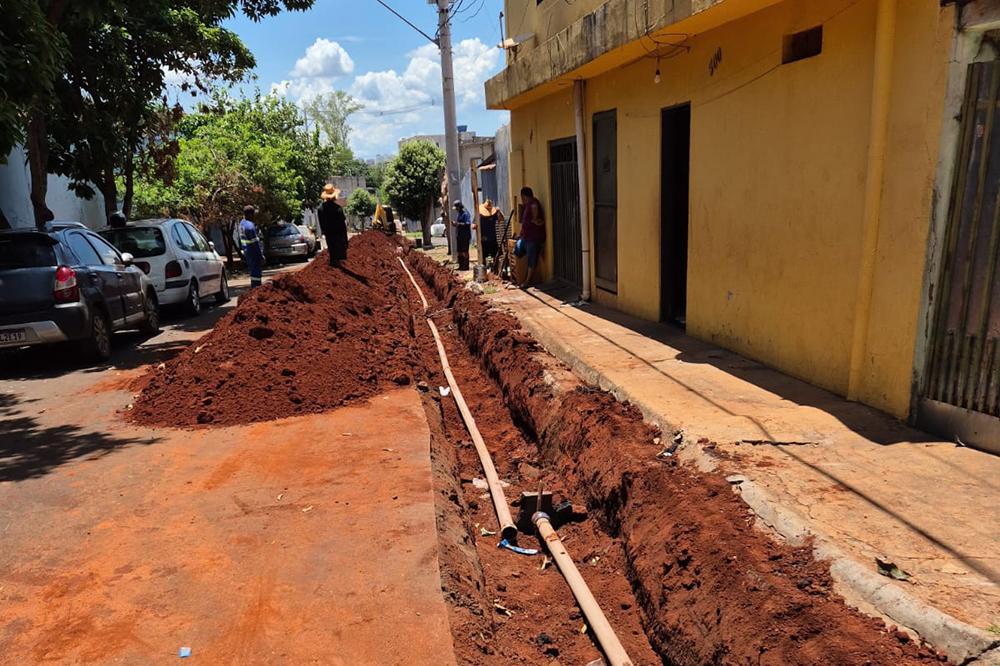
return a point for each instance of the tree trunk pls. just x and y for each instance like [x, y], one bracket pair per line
[38, 163]
[129, 184]
[37, 140]
[227, 238]
[425, 224]
[110, 191]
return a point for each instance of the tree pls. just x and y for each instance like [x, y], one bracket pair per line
[361, 204]
[32, 54]
[375, 176]
[105, 90]
[330, 112]
[234, 152]
[412, 179]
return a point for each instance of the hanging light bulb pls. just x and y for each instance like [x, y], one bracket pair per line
[656, 77]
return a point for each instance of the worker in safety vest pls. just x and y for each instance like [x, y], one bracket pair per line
[253, 252]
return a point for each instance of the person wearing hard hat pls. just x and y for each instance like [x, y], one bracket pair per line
[333, 222]
[490, 218]
[463, 234]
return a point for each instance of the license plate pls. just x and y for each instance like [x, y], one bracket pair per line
[12, 336]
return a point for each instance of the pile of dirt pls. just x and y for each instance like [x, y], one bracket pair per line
[711, 587]
[305, 342]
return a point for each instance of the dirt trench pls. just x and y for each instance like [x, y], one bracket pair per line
[711, 588]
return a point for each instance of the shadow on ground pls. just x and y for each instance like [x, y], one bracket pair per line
[30, 450]
[877, 427]
[866, 421]
[130, 349]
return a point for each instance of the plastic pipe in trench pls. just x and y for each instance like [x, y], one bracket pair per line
[606, 637]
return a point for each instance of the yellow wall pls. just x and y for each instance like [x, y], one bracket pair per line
[778, 163]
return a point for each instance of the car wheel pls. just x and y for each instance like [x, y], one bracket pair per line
[193, 303]
[151, 322]
[223, 295]
[98, 345]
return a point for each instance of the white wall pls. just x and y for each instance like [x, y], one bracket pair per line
[15, 197]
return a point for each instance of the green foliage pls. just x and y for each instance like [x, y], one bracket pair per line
[233, 153]
[412, 178]
[88, 77]
[375, 176]
[361, 203]
[31, 56]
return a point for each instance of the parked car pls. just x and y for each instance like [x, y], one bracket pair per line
[70, 285]
[310, 237]
[285, 241]
[438, 228]
[182, 265]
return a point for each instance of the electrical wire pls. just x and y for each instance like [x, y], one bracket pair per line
[405, 20]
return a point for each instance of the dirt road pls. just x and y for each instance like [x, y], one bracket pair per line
[258, 544]
[261, 544]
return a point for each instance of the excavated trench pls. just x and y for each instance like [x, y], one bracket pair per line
[670, 553]
[707, 586]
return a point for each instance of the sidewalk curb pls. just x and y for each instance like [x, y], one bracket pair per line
[961, 642]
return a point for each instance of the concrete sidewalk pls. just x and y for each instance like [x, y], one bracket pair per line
[864, 485]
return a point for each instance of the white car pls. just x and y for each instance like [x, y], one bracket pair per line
[438, 228]
[182, 265]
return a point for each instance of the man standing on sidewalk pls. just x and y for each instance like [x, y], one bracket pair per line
[463, 234]
[253, 253]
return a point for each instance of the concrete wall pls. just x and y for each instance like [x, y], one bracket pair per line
[501, 148]
[15, 197]
[545, 19]
[778, 167]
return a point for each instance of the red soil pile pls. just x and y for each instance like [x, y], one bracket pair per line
[306, 342]
[711, 587]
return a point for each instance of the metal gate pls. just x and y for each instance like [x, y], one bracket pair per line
[565, 211]
[606, 200]
[963, 369]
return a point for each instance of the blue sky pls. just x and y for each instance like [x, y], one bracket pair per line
[358, 46]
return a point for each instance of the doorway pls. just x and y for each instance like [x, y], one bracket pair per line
[566, 251]
[675, 171]
[960, 395]
[606, 200]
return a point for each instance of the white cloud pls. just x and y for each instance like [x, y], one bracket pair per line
[473, 63]
[323, 59]
[412, 97]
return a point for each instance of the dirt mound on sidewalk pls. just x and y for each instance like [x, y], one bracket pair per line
[305, 342]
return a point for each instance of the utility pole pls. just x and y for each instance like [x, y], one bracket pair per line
[452, 159]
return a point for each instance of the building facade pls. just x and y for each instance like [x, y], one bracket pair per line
[789, 179]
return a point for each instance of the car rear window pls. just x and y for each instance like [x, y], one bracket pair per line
[28, 251]
[140, 242]
[282, 230]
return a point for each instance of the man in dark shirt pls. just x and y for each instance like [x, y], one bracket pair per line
[463, 234]
[532, 233]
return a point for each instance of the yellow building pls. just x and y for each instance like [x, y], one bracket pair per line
[778, 176]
